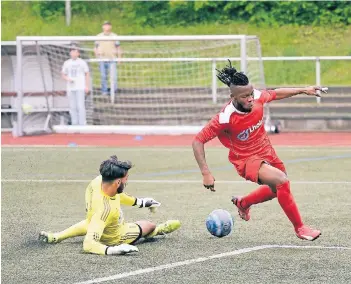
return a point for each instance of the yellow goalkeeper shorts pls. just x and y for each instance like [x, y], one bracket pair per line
[130, 233]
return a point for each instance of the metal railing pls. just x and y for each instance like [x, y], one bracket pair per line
[214, 61]
[316, 59]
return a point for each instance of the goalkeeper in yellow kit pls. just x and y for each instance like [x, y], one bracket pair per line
[104, 228]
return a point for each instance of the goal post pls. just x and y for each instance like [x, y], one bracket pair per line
[160, 84]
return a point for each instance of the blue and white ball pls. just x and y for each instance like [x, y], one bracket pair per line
[220, 223]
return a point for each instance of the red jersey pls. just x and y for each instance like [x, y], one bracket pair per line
[242, 133]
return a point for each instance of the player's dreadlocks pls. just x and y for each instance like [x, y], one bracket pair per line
[112, 169]
[229, 76]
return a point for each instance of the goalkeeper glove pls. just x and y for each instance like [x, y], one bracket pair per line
[121, 249]
[147, 202]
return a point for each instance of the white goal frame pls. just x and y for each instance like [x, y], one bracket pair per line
[135, 129]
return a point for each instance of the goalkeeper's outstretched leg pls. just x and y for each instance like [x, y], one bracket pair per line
[130, 232]
[76, 230]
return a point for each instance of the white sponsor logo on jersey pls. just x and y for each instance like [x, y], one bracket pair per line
[244, 135]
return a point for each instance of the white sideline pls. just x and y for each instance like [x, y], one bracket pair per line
[163, 181]
[37, 148]
[171, 130]
[202, 259]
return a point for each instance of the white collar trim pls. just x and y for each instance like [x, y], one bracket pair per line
[236, 110]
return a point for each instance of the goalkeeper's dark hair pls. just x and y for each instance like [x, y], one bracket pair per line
[112, 169]
[231, 77]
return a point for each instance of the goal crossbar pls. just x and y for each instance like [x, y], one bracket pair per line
[44, 39]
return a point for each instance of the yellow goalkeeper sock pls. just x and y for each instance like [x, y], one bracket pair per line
[79, 229]
[165, 228]
[152, 234]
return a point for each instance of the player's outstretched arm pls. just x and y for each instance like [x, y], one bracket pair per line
[283, 93]
[199, 153]
[209, 132]
[129, 200]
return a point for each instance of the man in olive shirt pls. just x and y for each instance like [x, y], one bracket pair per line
[108, 49]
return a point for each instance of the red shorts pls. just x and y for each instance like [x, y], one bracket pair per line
[248, 168]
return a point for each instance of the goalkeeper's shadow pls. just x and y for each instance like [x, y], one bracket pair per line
[148, 240]
[35, 244]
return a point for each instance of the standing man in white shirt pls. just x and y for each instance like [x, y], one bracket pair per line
[76, 72]
[108, 49]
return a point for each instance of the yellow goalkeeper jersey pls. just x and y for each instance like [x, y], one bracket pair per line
[104, 216]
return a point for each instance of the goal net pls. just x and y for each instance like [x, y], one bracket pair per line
[156, 85]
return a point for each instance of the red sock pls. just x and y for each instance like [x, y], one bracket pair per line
[261, 194]
[287, 202]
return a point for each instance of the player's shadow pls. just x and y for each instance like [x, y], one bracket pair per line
[148, 240]
[36, 244]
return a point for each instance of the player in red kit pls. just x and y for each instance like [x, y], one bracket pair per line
[240, 128]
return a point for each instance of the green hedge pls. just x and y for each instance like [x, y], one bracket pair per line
[52, 9]
[183, 12]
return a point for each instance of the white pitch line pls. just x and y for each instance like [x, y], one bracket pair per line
[47, 180]
[107, 148]
[309, 247]
[163, 181]
[39, 148]
[202, 259]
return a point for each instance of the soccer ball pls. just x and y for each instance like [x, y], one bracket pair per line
[220, 223]
[27, 108]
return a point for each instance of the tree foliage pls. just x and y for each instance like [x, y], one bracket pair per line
[153, 13]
